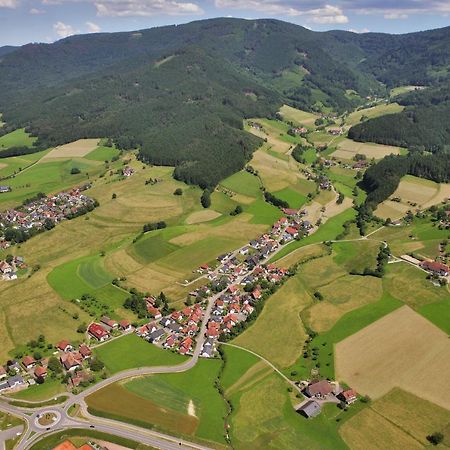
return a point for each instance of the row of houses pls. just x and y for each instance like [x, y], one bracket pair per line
[176, 331]
[44, 210]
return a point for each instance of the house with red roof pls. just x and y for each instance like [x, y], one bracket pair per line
[85, 351]
[71, 361]
[28, 362]
[319, 389]
[435, 267]
[154, 312]
[186, 345]
[256, 294]
[125, 325]
[40, 372]
[348, 396]
[65, 346]
[110, 323]
[98, 332]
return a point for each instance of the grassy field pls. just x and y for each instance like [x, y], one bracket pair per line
[17, 138]
[190, 393]
[414, 193]
[397, 420]
[374, 111]
[347, 149]
[402, 349]
[281, 313]
[186, 403]
[131, 351]
[243, 183]
[102, 153]
[295, 199]
[40, 392]
[298, 116]
[263, 416]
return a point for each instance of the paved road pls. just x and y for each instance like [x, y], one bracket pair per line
[155, 439]
[11, 433]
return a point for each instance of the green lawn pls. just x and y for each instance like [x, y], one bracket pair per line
[17, 138]
[16, 163]
[102, 153]
[130, 351]
[93, 272]
[153, 246]
[263, 212]
[291, 196]
[40, 392]
[237, 363]
[243, 183]
[356, 255]
[87, 275]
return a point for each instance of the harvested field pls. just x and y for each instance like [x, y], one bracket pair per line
[399, 415]
[2, 165]
[297, 115]
[347, 149]
[302, 254]
[413, 190]
[392, 210]
[202, 216]
[400, 350]
[374, 111]
[370, 431]
[74, 149]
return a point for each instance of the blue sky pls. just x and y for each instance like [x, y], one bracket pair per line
[23, 21]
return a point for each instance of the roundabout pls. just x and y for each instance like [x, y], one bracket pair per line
[47, 419]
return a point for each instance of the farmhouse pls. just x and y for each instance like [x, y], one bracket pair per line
[5, 267]
[319, 389]
[310, 409]
[348, 396]
[4, 189]
[111, 324]
[98, 332]
[436, 268]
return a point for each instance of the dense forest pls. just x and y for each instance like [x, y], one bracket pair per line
[424, 123]
[179, 93]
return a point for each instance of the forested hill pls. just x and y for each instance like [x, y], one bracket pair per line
[423, 125]
[6, 49]
[179, 93]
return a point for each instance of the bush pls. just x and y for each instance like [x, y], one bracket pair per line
[435, 438]
[75, 171]
[178, 191]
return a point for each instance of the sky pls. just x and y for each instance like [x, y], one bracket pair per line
[24, 21]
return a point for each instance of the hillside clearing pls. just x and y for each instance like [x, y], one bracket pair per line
[347, 149]
[74, 149]
[402, 349]
[202, 216]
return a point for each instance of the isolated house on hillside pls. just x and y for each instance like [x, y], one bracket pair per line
[319, 389]
[436, 267]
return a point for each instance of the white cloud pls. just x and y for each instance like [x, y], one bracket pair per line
[395, 16]
[93, 27]
[36, 11]
[9, 3]
[325, 14]
[63, 30]
[121, 8]
[362, 30]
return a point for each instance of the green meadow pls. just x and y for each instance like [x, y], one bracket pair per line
[17, 138]
[131, 351]
[102, 153]
[244, 183]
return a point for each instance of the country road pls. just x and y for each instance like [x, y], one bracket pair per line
[34, 432]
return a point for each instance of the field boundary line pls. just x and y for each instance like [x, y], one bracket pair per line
[278, 371]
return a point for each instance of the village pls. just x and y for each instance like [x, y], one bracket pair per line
[41, 213]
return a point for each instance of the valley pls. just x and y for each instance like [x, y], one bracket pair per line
[233, 273]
